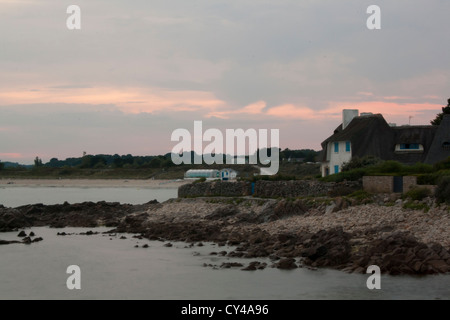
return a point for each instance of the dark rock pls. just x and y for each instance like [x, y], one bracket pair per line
[222, 212]
[145, 246]
[32, 234]
[329, 248]
[26, 240]
[250, 267]
[236, 254]
[37, 239]
[228, 265]
[3, 242]
[255, 265]
[168, 245]
[286, 263]
[122, 237]
[400, 253]
[22, 234]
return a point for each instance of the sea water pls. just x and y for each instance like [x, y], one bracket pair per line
[112, 268]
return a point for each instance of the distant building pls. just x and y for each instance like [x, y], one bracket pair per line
[202, 173]
[211, 174]
[370, 135]
[228, 174]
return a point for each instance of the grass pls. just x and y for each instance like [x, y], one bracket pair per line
[427, 174]
[360, 195]
[416, 206]
[417, 193]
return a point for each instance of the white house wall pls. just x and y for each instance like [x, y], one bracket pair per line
[340, 157]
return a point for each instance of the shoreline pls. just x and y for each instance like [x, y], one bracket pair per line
[93, 183]
[291, 233]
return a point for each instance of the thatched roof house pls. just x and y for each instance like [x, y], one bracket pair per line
[370, 135]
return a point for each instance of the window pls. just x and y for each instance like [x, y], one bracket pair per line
[336, 169]
[446, 145]
[336, 147]
[347, 146]
[409, 146]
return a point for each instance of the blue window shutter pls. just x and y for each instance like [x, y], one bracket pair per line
[336, 169]
[347, 146]
[336, 147]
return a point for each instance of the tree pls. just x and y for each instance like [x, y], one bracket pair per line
[37, 162]
[2, 165]
[440, 116]
[155, 163]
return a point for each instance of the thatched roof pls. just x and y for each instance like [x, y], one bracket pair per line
[368, 135]
[371, 135]
[437, 151]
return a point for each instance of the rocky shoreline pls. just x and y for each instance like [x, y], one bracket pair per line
[340, 233]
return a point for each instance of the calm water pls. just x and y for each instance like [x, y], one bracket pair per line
[17, 196]
[114, 269]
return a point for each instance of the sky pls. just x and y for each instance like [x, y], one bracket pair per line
[137, 70]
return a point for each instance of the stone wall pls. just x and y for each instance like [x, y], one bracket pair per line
[291, 189]
[215, 188]
[378, 184]
[409, 182]
[385, 184]
[268, 189]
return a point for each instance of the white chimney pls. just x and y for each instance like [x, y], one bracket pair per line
[347, 116]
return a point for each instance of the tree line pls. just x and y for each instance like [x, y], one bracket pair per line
[104, 161]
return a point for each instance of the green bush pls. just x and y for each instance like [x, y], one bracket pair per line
[418, 193]
[352, 175]
[356, 163]
[341, 191]
[443, 190]
[416, 206]
[389, 167]
[419, 168]
[443, 165]
[360, 195]
[200, 180]
[428, 178]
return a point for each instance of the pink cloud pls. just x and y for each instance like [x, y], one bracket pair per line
[11, 155]
[396, 111]
[397, 98]
[128, 100]
[367, 94]
[251, 109]
[292, 111]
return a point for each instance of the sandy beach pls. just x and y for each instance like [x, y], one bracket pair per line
[93, 183]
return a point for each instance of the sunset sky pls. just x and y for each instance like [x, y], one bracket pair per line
[137, 70]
